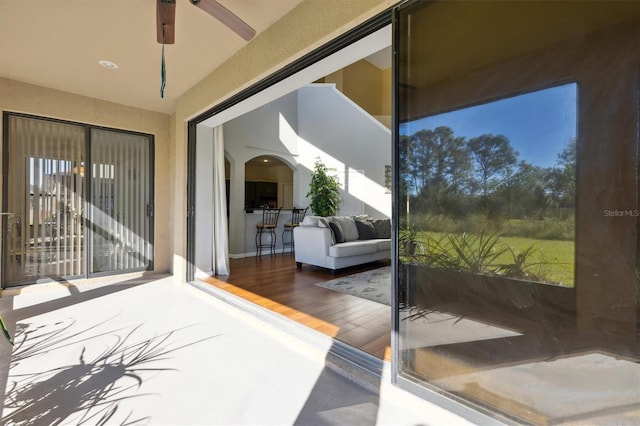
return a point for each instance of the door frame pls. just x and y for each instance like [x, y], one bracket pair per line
[372, 25]
[87, 191]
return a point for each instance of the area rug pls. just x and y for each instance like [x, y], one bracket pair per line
[373, 285]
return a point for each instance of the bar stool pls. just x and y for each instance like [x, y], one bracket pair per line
[267, 226]
[297, 216]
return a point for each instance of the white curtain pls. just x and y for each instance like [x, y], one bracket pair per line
[220, 235]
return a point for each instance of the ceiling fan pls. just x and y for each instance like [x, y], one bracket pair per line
[166, 24]
[166, 14]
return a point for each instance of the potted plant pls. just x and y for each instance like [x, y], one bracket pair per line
[324, 190]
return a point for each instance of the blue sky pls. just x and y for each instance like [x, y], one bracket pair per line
[538, 124]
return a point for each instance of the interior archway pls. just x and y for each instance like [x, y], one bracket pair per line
[268, 181]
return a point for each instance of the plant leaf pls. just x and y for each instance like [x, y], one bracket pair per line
[5, 330]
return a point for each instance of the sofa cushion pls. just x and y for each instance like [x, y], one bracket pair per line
[383, 227]
[366, 231]
[348, 225]
[336, 230]
[353, 248]
[384, 245]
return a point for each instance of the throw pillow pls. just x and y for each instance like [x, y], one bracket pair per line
[383, 228]
[336, 229]
[348, 225]
[366, 230]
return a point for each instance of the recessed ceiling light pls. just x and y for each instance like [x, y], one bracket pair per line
[108, 64]
[265, 160]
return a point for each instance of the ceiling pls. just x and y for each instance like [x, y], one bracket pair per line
[58, 43]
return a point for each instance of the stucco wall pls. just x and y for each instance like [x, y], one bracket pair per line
[29, 99]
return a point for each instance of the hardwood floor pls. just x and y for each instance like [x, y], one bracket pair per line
[273, 282]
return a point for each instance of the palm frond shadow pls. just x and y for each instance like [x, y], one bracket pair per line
[33, 340]
[89, 391]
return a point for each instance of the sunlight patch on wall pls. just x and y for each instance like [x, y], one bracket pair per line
[364, 189]
[287, 135]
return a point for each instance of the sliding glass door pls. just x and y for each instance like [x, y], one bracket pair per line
[120, 208]
[43, 225]
[62, 218]
[517, 208]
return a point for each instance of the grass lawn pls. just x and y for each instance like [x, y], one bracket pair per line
[556, 257]
[552, 259]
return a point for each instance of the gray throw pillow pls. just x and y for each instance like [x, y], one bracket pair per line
[336, 229]
[348, 225]
[366, 230]
[383, 228]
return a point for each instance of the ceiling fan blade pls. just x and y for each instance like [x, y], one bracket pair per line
[166, 19]
[227, 17]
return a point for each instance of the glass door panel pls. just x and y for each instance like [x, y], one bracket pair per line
[69, 212]
[120, 208]
[43, 224]
[517, 207]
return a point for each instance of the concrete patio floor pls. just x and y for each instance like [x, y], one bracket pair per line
[143, 350]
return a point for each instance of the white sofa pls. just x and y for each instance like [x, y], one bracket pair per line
[318, 241]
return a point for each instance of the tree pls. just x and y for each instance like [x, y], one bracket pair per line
[527, 188]
[441, 166]
[494, 157]
[324, 190]
[561, 180]
[407, 170]
[567, 158]
[566, 177]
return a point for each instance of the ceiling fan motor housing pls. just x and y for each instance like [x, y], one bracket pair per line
[166, 19]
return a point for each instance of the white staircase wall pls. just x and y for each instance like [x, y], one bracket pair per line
[349, 139]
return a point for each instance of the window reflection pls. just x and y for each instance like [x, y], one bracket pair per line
[492, 187]
[517, 200]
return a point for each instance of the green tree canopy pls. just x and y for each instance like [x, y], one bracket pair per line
[443, 173]
[494, 156]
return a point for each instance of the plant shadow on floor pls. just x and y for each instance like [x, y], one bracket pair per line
[89, 391]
